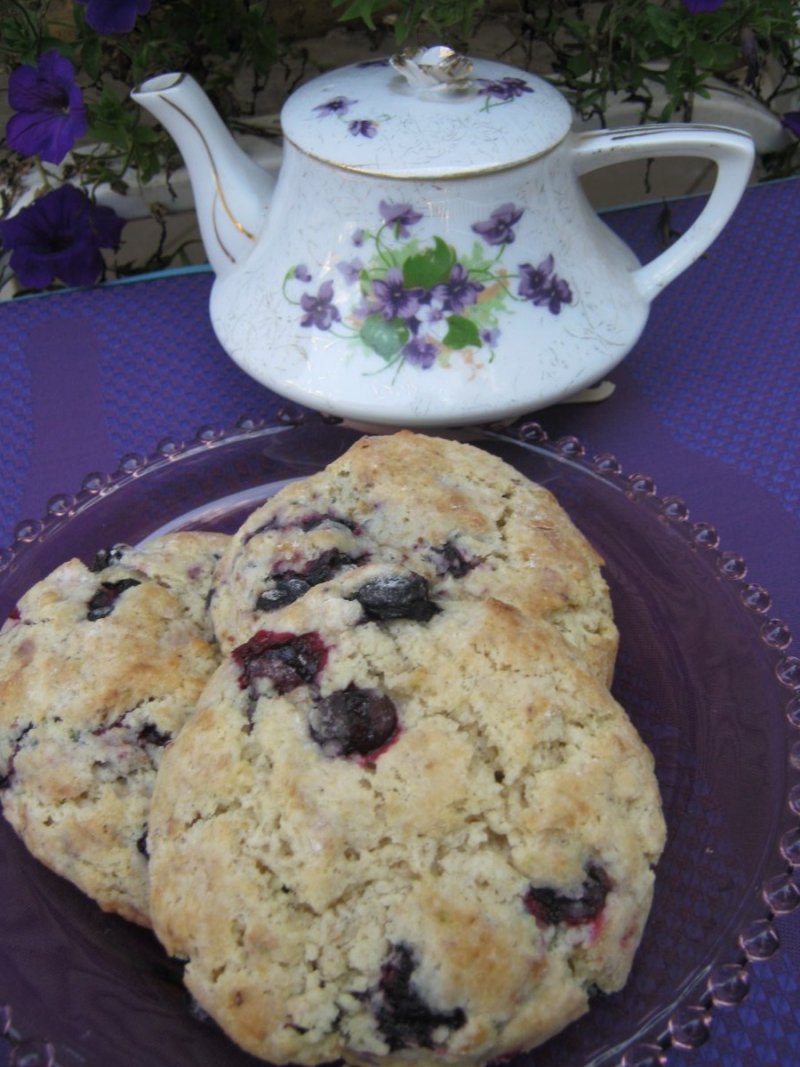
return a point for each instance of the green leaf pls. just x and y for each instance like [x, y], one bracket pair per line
[461, 333]
[431, 267]
[90, 57]
[360, 9]
[664, 24]
[385, 338]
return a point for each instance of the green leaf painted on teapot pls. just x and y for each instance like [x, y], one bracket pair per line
[385, 338]
[461, 333]
[431, 267]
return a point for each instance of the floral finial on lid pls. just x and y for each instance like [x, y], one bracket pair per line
[434, 69]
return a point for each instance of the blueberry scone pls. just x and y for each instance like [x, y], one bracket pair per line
[461, 518]
[402, 826]
[99, 668]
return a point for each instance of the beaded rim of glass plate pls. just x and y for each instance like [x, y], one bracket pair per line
[688, 1026]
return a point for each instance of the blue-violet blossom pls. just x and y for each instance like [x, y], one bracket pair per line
[543, 287]
[50, 112]
[497, 229]
[504, 89]
[338, 105]
[320, 311]
[114, 16]
[399, 216]
[60, 236]
[697, 7]
[459, 291]
[393, 300]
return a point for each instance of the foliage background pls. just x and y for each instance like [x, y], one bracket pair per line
[249, 54]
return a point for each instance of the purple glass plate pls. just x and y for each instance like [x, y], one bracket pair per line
[703, 671]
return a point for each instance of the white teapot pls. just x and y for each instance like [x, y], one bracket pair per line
[427, 256]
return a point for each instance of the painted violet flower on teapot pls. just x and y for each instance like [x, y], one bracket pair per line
[422, 304]
[427, 256]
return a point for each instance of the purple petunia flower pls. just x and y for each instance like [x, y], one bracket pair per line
[497, 228]
[503, 89]
[459, 291]
[363, 128]
[542, 287]
[320, 310]
[697, 7]
[420, 352]
[60, 236]
[791, 120]
[50, 112]
[338, 105]
[393, 300]
[400, 216]
[114, 16]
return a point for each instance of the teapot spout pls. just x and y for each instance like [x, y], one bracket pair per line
[231, 192]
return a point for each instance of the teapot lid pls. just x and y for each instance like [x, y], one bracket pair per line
[432, 115]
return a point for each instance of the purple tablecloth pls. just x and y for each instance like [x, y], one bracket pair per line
[707, 404]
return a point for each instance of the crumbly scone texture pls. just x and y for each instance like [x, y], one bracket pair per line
[402, 825]
[460, 517]
[99, 668]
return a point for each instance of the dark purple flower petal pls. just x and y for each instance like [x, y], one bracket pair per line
[114, 16]
[503, 89]
[338, 105]
[497, 229]
[559, 293]
[697, 7]
[320, 310]
[791, 120]
[51, 114]
[420, 352]
[391, 297]
[60, 236]
[459, 291]
[534, 281]
[301, 272]
[400, 216]
[543, 287]
[363, 128]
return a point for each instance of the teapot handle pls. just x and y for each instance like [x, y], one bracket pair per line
[731, 150]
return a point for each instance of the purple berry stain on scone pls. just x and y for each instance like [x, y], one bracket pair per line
[289, 585]
[286, 660]
[549, 908]
[354, 722]
[404, 1017]
[453, 561]
[104, 600]
[396, 596]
